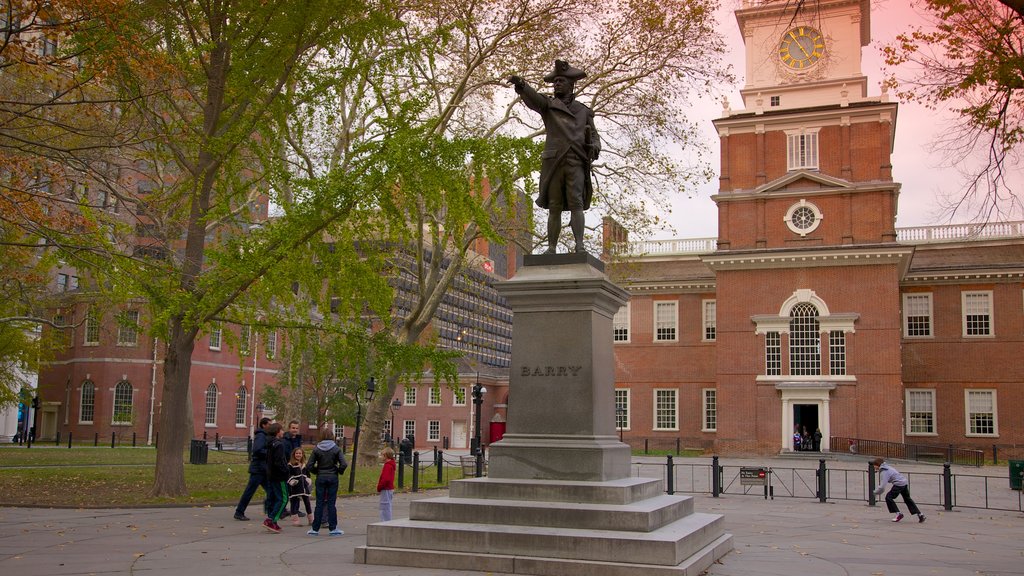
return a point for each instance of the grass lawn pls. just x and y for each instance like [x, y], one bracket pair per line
[123, 477]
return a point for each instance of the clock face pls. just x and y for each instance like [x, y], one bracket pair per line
[801, 47]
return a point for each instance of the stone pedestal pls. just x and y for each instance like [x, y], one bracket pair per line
[558, 499]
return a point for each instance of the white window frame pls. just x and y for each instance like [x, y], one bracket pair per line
[911, 405]
[913, 304]
[240, 399]
[709, 410]
[91, 386]
[967, 412]
[709, 320]
[459, 396]
[622, 399]
[244, 339]
[837, 353]
[802, 149]
[91, 334]
[805, 357]
[434, 398]
[773, 352]
[803, 204]
[215, 337]
[128, 328]
[433, 430]
[119, 402]
[210, 406]
[666, 323]
[410, 396]
[970, 296]
[666, 394]
[271, 344]
[408, 428]
[620, 325]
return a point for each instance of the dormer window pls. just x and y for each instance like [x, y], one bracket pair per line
[802, 149]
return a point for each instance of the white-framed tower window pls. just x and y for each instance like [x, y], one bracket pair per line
[211, 405]
[709, 314]
[620, 324]
[802, 149]
[804, 340]
[123, 403]
[128, 328]
[803, 218]
[981, 412]
[215, 337]
[92, 328]
[977, 313]
[772, 354]
[921, 411]
[87, 405]
[240, 397]
[710, 410]
[666, 321]
[837, 352]
[917, 315]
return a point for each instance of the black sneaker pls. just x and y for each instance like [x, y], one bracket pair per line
[302, 514]
[920, 518]
[242, 517]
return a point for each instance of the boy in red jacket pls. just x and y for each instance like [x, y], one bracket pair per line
[386, 483]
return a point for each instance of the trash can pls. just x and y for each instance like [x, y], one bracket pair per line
[198, 452]
[1016, 473]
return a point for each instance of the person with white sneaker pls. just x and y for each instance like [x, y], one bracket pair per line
[900, 487]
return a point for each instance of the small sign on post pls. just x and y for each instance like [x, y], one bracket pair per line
[752, 476]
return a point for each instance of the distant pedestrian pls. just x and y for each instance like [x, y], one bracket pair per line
[277, 477]
[299, 486]
[900, 487]
[257, 471]
[386, 483]
[327, 463]
[816, 440]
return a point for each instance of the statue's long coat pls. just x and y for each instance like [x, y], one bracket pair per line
[570, 129]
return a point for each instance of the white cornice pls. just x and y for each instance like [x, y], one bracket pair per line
[760, 191]
[961, 276]
[852, 256]
[742, 121]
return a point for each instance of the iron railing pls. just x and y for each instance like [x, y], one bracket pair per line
[901, 451]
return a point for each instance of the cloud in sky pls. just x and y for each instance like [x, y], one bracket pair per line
[924, 174]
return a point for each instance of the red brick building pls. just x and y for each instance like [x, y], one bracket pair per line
[811, 309]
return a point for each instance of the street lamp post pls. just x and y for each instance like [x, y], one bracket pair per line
[478, 400]
[620, 417]
[395, 405]
[371, 387]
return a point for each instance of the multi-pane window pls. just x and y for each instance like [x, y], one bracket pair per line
[665, 321]
[410, 396]
[802, 150]
[459, 396]
[977, 313]
[244, 339]
[215, 337]
[435, 397]
[60, 334]
[409, 429]
[837, 352]
[128, 328]
[620, 324]
[666, 410]
[240, 406]
[211, 405]
[122, 403]
[917, 315]
[981, 412]
[804, 340]
[772, 354]
[710, 314]
[92, 328]
[271, 344]
[62, 282]
[434, 430]
[710, 410]
[921, 411]
[87, 406]
[622, 409]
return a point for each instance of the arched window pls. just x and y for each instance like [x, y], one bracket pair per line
[211, 405]
[122, 403]
[240, 407]
[804, 340]
[87, 406]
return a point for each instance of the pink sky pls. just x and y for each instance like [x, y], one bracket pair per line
[923, 174]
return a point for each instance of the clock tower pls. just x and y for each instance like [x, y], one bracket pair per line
[807, 267]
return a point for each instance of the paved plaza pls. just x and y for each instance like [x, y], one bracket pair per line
[784, 537]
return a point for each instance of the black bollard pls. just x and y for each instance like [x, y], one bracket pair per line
[822, 481]
[995, 454]
[947, 487]
[439, 464]
[671, 475]
[113, 437]
[96, 439]
[716, 477]
[401, 472]
[415, 471]
[133, 439]
[57, 442]
[69, 440]
[871, 484]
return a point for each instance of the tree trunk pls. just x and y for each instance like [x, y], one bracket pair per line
[175, 431]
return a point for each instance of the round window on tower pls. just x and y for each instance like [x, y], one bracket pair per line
[803, 218]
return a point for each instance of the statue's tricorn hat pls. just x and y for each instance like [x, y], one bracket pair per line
[562, 68]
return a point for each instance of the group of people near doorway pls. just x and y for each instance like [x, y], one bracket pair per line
[279, 465]
[805, 441]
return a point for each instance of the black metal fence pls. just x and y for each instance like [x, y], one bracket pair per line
[916, 452]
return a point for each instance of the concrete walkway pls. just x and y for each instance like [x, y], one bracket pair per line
[784, 537]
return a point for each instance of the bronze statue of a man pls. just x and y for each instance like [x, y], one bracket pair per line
[571, 144]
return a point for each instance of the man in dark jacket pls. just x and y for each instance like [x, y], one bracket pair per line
[327, 462]
[293, 440]
[571, 144]
[277, 476]
[257, 470]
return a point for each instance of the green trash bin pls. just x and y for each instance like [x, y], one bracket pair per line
[1016, 474]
